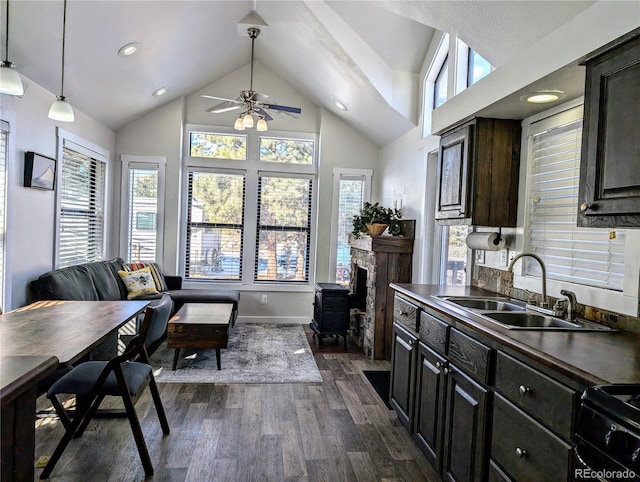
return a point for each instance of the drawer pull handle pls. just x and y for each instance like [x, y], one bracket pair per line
[410, 342]
[446, 370]
[524, 390]
[438, 365]
[521, 453]
[404, 313]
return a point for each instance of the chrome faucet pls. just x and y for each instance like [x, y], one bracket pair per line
[571, 305]
[545, 301]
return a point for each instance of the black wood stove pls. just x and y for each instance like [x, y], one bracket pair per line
[330, 311]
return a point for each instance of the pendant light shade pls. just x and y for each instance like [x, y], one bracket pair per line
[61, 110]
[239, 125]
[247, 120]
[10, 81]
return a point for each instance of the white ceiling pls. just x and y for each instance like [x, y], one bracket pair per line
[351, 50]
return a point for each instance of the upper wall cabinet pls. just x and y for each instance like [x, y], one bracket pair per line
[478, 167]
[609, 193]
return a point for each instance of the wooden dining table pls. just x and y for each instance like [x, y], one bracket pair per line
[33, 341]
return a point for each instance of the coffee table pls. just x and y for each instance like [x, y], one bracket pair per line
[200, 326]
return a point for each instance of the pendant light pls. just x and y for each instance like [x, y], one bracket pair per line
[10, 81]
[61, 110]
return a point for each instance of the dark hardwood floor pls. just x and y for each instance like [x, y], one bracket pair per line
[337, 430]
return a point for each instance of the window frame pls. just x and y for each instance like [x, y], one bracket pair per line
[142, 162]
[429, 84]
[625, 302]
[8, 120]
[82, 146]
[252, 167]
[340, 173]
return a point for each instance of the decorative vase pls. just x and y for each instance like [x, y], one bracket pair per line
[376, 229]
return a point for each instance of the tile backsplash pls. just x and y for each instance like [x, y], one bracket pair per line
[501, 281]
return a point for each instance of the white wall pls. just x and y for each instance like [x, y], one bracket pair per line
[31, 212]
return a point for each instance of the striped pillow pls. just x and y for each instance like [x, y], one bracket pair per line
[156, 273]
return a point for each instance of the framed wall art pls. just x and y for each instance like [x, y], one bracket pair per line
[39, 171]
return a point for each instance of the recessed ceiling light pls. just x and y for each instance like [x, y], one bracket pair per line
[340, 105]
[128, 49]
[160, 91]
[543, 96]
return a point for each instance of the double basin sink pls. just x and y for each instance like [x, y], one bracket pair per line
[514, 315]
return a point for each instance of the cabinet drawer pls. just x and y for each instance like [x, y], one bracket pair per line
[405, 313]
[471, 356]
[542, 397]
[434, 332]
[524, 448]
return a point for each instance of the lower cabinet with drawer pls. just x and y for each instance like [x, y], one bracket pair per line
[532, 423]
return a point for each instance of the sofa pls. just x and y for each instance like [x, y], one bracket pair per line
[100, 281]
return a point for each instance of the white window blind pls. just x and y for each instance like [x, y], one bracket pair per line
[82, 199]
[142, 214]
[351, 195]
[4, 134]
[592, 257]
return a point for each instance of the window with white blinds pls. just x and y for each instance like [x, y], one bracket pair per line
[81, 209]
[4, 135]
[591, 257]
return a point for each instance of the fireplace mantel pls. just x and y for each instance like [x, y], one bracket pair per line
[387, 259]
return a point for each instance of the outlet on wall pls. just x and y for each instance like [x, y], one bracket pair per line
[265, 299]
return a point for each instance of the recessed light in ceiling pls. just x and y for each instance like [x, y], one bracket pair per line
[128, 49]
[340, 105]
[543, 96]
[160, 91]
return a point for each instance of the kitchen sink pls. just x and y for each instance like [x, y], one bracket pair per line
[515, 315]
[485, 303]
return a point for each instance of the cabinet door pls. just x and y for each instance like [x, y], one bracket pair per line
[453, 174]
[430, 398]
[609, 172]
[403, 374]
[465, 437]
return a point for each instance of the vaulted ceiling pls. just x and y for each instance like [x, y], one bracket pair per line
[368, 54]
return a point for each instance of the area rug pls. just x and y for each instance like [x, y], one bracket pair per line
[379, 380]
[255, 353]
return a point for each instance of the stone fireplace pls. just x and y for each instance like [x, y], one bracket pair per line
[377, 261]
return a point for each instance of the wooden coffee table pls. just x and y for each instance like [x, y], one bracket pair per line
[200, 326]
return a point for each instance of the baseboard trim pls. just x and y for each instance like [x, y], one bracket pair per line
[285, 320]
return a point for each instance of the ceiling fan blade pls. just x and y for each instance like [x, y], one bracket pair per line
[224, 107]
[283, 108]
[260, 111]
[219, 98]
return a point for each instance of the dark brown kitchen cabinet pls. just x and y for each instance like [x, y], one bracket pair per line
[609, 193]
[403, 367]
[478, 171]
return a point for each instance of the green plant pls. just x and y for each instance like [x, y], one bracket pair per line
[376, 214]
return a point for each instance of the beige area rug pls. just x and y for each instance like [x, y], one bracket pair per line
[256, 353]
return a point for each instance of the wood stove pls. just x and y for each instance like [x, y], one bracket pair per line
[330, 311]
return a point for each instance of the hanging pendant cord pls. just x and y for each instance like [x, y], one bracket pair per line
[64, 30]
[6, 39]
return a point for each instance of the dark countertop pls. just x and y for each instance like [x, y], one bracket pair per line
[590, 358]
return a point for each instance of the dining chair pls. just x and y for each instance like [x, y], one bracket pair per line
[125, 376]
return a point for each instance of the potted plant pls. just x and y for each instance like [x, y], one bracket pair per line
[374, 219]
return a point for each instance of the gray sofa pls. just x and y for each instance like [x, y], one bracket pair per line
[100, 281]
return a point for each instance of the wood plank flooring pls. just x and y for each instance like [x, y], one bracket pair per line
[337, 430]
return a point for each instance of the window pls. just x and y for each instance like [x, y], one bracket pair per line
[284, 229]
[4, 139]
[249, 206]
[351, 189]
[215, 225]
[440, 85]
[477, 67]
[81, 205]
[454, 255]
[593, 261]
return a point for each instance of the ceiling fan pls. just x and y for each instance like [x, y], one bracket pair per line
[251, 102]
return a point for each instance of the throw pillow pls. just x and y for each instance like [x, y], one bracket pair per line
[156, 273]
[139, 283]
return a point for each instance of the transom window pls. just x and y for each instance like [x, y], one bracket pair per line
[217, 146]
[440, 85]
[477, 68]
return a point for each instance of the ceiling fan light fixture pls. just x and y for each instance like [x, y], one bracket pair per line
[61, 110]
[261, 125]
[247, 121]
[239, 125]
